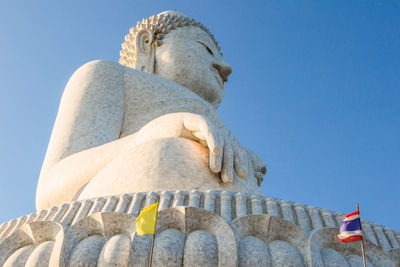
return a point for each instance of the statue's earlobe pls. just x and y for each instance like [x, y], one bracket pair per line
[145, 50]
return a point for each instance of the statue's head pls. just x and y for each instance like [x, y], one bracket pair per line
[179, 49]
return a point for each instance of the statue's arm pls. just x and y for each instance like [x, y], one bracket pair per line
[90, 115]
[227, 156]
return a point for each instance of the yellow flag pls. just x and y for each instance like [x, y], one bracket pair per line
[147, 219]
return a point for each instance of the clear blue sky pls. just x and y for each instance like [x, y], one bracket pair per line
[315, 91]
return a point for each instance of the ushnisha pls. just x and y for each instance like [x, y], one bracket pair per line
[149, 124]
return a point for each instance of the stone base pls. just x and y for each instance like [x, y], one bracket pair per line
[213, 228]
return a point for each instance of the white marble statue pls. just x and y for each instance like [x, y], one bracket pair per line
[149, 123]
[146, 130]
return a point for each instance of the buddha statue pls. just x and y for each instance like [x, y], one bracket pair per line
[149, 123]
[146, 129]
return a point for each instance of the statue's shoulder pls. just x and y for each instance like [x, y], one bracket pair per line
[99, 67]
[97, 76]
[104, 69]
[108, 75]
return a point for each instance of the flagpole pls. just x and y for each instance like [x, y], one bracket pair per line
[362, 251]
[152, 239]
[151, 250]
[362, 240]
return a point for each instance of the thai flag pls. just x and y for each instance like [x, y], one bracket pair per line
[350, 230]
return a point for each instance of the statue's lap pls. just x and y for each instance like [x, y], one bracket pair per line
[162, 164]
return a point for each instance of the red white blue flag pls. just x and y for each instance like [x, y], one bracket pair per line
[350, 230]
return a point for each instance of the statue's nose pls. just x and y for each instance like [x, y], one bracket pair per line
[223, 68]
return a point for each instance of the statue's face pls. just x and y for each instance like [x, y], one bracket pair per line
[189, 57]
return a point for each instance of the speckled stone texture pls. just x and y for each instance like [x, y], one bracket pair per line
[148, 128]
[102, 119]
[129, 135]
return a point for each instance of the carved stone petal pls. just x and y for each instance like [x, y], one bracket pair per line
[215, 231]
[283, 241]
[34, 244]
[90, 235]
[324, 238]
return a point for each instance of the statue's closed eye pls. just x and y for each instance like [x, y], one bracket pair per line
[206, 47]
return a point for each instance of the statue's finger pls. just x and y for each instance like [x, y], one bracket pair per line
[240, 162]
[258, 164]
[227, 164]
[199, 135]
[216, 159]
[263, 169]
[260, 177]
[197, 123]
[211, 137]
[247, 160]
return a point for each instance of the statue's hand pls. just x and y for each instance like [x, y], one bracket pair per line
[186, 125]
[226, 154]
[259, 167]
[234, 157]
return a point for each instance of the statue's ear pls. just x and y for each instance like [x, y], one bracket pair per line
[145, 50]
